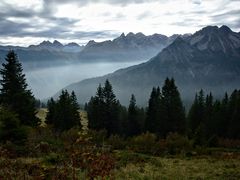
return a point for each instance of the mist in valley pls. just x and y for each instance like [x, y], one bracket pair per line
[45, 82]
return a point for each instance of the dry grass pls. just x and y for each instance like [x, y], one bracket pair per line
[41, 114]
[182, 168]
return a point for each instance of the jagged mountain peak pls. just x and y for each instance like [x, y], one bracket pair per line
[57, 43]
[122, 35]
[209, 29]
[225, 29]
[90, 43]
[45, 42]
[213, 38]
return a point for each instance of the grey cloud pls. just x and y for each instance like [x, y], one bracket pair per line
[17, 29]
[144, 15]
[224, 18]
[226, 14]
[119, 2]
[198, 2]
[120, 16]
[8, 28]
[187, 22]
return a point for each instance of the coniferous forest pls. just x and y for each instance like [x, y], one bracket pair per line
[106, 140]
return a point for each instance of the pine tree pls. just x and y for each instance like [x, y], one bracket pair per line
[153, 116]
[173, 111]
[51, 105]
[10, 127]
[96, 114]
[111, 109]
[133, 121]
[104, 110]
[234, 110]
[209, 121]
[14, 93]
[223, 116]
[63, 114]
[197, 112]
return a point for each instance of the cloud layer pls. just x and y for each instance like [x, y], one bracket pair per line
[25, 22]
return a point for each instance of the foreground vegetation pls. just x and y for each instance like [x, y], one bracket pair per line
[89, 155]
[111, 141]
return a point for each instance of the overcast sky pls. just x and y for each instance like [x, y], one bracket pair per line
[25, 22]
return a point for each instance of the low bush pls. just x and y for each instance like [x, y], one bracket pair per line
[144, 143]
[177, 143]
[229, 143]
[117, 142]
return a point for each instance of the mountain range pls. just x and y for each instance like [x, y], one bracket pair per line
[130, 47]
[208, 59]
[127, 47]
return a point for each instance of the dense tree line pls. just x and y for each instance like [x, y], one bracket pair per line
[207, 118]
[164, 114]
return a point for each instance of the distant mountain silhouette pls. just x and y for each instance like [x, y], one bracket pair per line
[132, 47]
[208, 59]
[127, 47]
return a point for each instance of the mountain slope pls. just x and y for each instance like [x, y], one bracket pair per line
[208, 59]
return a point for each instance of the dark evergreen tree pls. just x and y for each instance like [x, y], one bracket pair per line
[216, 126]
[234, 110]
[153, 115]
[209, 122]
[10, 128]
[222, 114]
[197, 112]
[111, 109]
[96, 114]
[104, 110]
[14, 93]
[63, 114]
[133, 121]
[51, 105]
[173, 116]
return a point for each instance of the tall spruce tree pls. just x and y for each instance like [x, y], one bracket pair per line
[153, 115]
[223, 116]
[173, 111]
[197, 112]
[104, 110]
[209, 121]
[14, 93]
[112, 107]
[234, 110]
[133, 118]
[165, 112]
[95, 109]
[63, 114]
